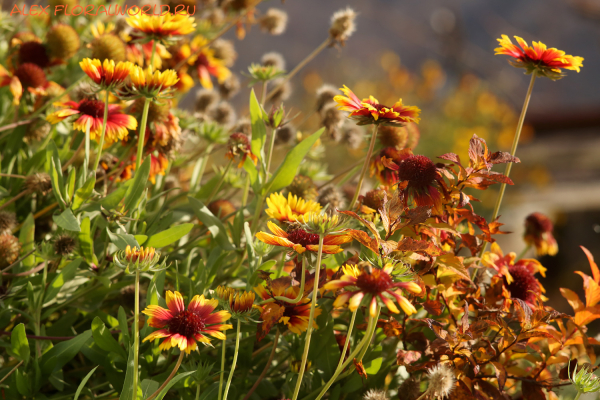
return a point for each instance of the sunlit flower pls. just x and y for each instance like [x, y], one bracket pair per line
[150, 84]
[183, 328]
[239, 146]
[106, 74]
[372, 283]
[139, 258]
[162, 27]
[379, 165]
[90, 113]
[299, 240]
[238, 302]
[441, 381]
[289, 209]
[158, 166]
[538, 233]
[205, 62]
[538, 58]
[369, 111]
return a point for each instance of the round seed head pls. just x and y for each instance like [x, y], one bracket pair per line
[9, 249]
[39, 183]
[223, 113]
[274, 21]
[64, 245]
[229, 87]
[108, 47]
[285, 134]
[35, 53]
[205, 99]
[63, 41]
[325, 95]
[8, 222]
[441, 380]
[225, 50]
[342, 25]
[273, 59]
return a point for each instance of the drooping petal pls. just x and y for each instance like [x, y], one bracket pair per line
[355, 301]
[157, 335]
[389, 304]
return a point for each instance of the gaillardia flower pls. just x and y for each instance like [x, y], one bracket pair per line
[299, 240]
[162, 27]
[90, 114]
[106, 74]
[374, 283]
[369, 111]
[205, 62]
[139, 258]
[150, 84]
[183, 328]
[289, 209]
[239, 146]
[538, 58]
[538, 232]
[238, 302]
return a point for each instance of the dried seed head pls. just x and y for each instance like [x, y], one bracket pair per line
[108, 47]
[392, 136]
[223, 113]
[9, 249]
[273, 59]
[63, 41]
[274, 21]
[35, 53]
[205, 99]
[353, 137]
[332, 119]
[304, 187]
[409, 390]
[225, 50]
[374, 198]
[83, 90]
[37, 131]
[8, 222]
[375, 394]
[229, 87]
[64, 245]
[31, 76]
[333, 197]
[39, 183]
[441, 380]
[285, 134]
[281, 93]
[325, 96]
[215, 16]
[342, 25]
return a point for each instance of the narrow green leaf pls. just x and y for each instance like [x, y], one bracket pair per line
[86, 245]
[214, 224]
[148, 387]
[251, 169]
[56, 184]
[141, 239]
[104, 339]
[122, 317]
[111, 201]
[19, 342]
[136, 190]
[127, 393]
[373, 366]
[259, 131]
[169, 236]
[83, 382]
[287, 170]
[67, 221]
[172, 382]
[67, 273]
[70, 189]
[55, 358]
[84, 192]
[122, 240]
[27, 240]
[54, 168]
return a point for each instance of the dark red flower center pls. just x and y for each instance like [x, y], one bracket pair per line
[31, 76]
[35, 53]
[186, 324]
[537, 223]
[300, 236]
[524, 286]
[419, 171]
[378, 281]
[93, 108]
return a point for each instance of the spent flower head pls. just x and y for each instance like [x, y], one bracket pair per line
[342, 25]
[263, 73]
[441, 381]
[139, 258]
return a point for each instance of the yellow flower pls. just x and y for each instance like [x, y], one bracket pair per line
[290, 209]
[162, 27]
[152, 84]
[107, 74]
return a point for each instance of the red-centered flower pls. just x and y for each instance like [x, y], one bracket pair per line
[183, 328]
[90, 113]
[379, 165]
[299, 240]
[538, 232]
[372, 283]
[239, 146]
[538, 58]
[27, 76]
[369, 111]
[162, 27]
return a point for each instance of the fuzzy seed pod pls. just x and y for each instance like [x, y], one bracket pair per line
[374, 198]
[325, 95]
[375, 394]
[222, 208]
[9, 249]
[333, 197]
[225, 50]
[63, 42]
[108, 47]
[392, 136]
[8, 222]
[285, 134]
[35, 53]
[353, 137]
[332, 119]
[205, 99]
[409, 390]
[441, 381]
[229, 87]
[244, 126]
[303, 186]
[215, 17]
[31, 76]
[82, 91]
[282, 93]
[38, 183]
[64, 245]
[37, 131]
[274, 21]
[273, 59]
[342, 25]
[223, 113]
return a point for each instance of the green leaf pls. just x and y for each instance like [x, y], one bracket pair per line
[67, 273]
[122, 317]
[259, 131]
[55, 358]
[122, 240]
[83, 382]
[54, 168]
[214, 224]
[104, 339]
[111, 201]
[86, 245]
[70, 189]
[84, 192]
[169, 236]
[27, 240]
[67, 221]
[172, 382]
[251, 170]
[373, 366]
[19, 342]
[141, 239]
[136, 190]
[148, 387]
[287, 170]
[127, 393]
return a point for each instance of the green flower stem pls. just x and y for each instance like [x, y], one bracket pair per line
[201, 165]
[364, 167]
[136, 333]
[271, 146]
[522, 253]
[142, 135]
[311, 317]
[281, 265]
[259, 207]
[86, 161]
[216, 189]
[513, 150]
[300, 292]
[235, 356]
[246, 190]
[578, 395]
[101, 145]
[179, 360]
[222, 375]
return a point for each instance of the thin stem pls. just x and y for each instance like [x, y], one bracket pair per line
[522, 254]
[246, 190]
[578, 395]
[216, 189]
[340, 174]
[14, 369]
[347, 342]
[264, 372]
[222, 375]
[281, 265]
[104, 121]
[203, 162]
[142, 135]
[17, 197]
[264, 93]
[136, 333]
[235, 356]
[179, 360]
[13, 176]
[311, 318]
[424, 395]
[86, 161]
[14, 125]
[257, 212]
[363, 171]
[301, 65]
[513, 150]
[271, 146]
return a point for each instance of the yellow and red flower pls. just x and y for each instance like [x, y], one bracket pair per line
[289, 209]
[183, 328]
[538, 232]
[299, 240]
[27, 76]
[204, 61]
[374, 283]
[150, 84]
[162, 27]
[90, 114]
[158, 166]
[106, 74]
[369, 111]
[538, 58]
[239, 146]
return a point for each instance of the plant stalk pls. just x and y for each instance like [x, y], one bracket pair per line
[104, 121]
[136, 333]
[365, 166]
[216, 189]
[142, 135]
[222, 374]
[179, 360]
[235, 356]
[266, 369]
[86, 161]
[271, 146]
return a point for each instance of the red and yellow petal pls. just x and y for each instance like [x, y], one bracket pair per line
[342, 299]
[175, 302]
[276, 230]
[159, 317]
[354, 302]
[389, 304]
[217, 317]
[337, 239]
[157, 335]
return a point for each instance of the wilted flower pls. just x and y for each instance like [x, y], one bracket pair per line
[239, 146]
[10, 248]
[38, 183]
[274, 21]
[183, 328]
[106, 74]
[373, 200]
[369, 111]
[139, 258]
[373, 283]
[8, 222]
[62, 41]
[273, 59]
[299, 240]
[289, 209]
[584, 380]
[538, 232]
[441, 381]
[303, 187]
[64, 245]
[342, 25]
[162, 27]
[538, 58]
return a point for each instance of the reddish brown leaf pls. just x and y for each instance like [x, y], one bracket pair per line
[465, 319]
[502, 157]
[408, 244]
[389, 163]
[460, 392]
[434, 307]
[360, 368]
[271, 314]
[523, 311]
[451, 157]
[363, 238]
[593, 266]
[531, 391]
[500, 374]
[407, 357]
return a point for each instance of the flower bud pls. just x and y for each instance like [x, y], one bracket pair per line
[139, 259]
